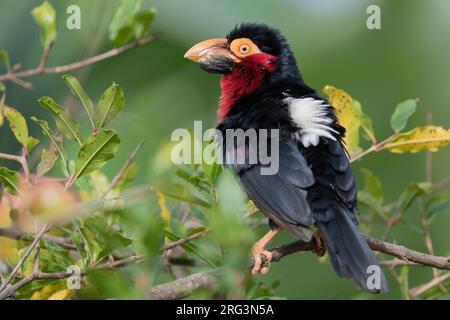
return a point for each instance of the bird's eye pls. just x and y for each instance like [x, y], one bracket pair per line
[244, 48]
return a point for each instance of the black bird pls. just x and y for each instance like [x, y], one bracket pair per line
[262, 88]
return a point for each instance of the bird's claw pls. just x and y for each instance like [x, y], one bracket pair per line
[262, 260]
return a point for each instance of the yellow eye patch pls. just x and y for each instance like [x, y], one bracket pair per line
[243, 47]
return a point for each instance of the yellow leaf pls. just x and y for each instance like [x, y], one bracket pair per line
[348, 112]
[165, 213]
[1, 115]
[44, 293]
[60, 295]
[430, 138]
[8, 247]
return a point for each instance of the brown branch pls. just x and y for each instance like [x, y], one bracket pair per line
[20, 159]
[22, 260]
[38, 275]
[406, 254]
[183, 287]
[16, 234]
[15, 76]
[184, 240]
[373, 148]
[417, 291]
[44, 58]
[7, 292]
[395, 263]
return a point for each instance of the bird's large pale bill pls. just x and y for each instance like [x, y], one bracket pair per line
[216, 46]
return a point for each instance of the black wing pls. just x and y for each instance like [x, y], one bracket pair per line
[283, 195]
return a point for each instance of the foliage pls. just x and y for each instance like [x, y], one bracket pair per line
[97, 221]
[129, 23]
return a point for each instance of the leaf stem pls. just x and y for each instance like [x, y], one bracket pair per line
[44, 58]
[373, 148]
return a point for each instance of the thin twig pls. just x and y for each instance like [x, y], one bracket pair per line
[22, 260]
[44, 58]
[38, 275]
[15, 76]
[20, 159]
[184, 240]
[373, 148]
[120, 175]
[395, 263]
[19, 235]
[417, 291]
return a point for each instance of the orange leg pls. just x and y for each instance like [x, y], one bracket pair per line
[259, 249]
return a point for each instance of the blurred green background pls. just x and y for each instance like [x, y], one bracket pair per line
[407, 58]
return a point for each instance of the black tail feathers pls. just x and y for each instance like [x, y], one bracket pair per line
[349, 252]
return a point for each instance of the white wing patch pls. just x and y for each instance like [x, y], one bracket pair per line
[311, 117]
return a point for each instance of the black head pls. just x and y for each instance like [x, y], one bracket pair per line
[223, 55]
[268, 39]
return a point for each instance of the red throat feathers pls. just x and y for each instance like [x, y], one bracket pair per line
[246, 77]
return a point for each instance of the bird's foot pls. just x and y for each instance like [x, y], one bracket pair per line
[262, 260]
[261, 256]
[320, 245]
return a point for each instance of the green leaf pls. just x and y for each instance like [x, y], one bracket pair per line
[189, 199]
[122, 16]
[372, 185]
[191, 247]
[48, 159]
[367, 199]
[10, 179]
[5, 58]
[138, 26]
[64, 121]
[77, 90]
[124, 35]
[31, 143]
[19, 127]
[17, 124]
[437, 206]
[193, 179]
[142, 22]
[45, 17]
[110, 104]
[413, 190]
[98, 149]
[113, 241]
[127, 177]
[57, 140]
[402, 112]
